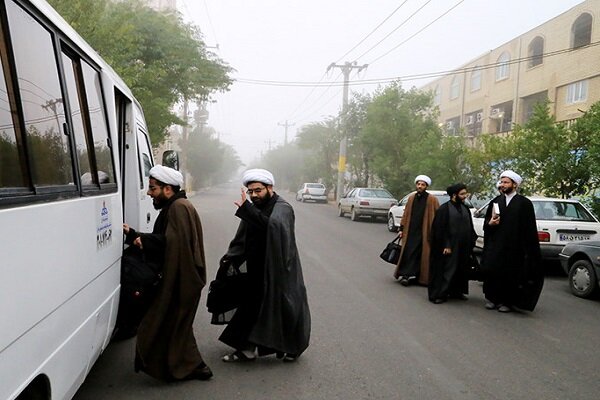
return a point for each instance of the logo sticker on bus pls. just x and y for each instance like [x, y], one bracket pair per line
[104, 225]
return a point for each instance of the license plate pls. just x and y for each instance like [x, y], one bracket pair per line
[572, 237]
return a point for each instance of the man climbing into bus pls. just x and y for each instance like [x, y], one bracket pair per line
[166, 348]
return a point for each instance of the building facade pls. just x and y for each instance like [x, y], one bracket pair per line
[558, 60]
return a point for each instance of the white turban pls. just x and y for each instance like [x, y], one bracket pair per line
[258, 175]
[512, 175]
[166, 175]
[423, 178]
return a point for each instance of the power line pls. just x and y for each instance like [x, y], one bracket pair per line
[426, 75]
[419, 31]
[395, 29]
[373, 31]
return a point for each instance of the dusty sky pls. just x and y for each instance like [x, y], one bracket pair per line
[290, 44]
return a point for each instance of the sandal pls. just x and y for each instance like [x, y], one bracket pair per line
[289, 357]
[237, 356]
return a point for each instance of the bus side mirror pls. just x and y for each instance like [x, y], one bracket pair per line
[170, 159]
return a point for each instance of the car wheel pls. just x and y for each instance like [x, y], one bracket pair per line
[390, 224]
[340, 212]
[353, 215]
[582, 279]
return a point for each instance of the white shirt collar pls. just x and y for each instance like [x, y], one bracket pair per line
[510, 196]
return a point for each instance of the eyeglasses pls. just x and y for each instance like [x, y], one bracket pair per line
[257, 190]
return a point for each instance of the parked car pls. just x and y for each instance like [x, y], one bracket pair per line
[312, 191]
[396, 212]
[559, 221]
[363, 202]
[581, 262]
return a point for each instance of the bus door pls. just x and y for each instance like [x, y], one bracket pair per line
[136, 161]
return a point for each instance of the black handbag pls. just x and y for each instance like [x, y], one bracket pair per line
[474, 271]
[391, 253]
[228, 290]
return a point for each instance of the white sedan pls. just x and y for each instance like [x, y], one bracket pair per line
[363, 202]
[559, 221]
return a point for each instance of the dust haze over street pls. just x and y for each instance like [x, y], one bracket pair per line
[374, 339]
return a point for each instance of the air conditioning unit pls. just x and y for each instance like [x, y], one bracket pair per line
[494, 112]
[449, 125]
[469, 120]
[479, 117]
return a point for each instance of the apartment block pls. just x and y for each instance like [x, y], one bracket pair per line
[558, 60]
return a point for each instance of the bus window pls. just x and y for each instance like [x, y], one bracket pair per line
[11, 173]
[99, 128]
[81, 141]
[41, 98]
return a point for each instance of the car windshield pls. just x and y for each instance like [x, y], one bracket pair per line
[315, 185]
[443, 198]
[561, 211]
[381, 193]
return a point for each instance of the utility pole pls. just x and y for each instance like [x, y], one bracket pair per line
[346, 68]
[286, 130]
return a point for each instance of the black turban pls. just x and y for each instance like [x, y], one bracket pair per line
[454, 189]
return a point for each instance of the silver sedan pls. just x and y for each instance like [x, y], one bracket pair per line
[367, 202]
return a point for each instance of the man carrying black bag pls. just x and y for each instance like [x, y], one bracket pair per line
[166, 348]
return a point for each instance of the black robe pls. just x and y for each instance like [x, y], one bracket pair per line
[166, 348]
[511, 262]
[275, 317]
[452, 228]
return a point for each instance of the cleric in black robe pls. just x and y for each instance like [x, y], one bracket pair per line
[275, 317]
[513, 274]
[452, 241]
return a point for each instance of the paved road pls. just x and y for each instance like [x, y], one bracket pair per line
[373, 338]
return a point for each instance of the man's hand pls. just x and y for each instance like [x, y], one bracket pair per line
[495, 220]
[447, 251]
[239, 203]
[125, 229]
[138, 242]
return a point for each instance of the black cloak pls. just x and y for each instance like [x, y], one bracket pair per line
[166, 348]
[450, 229]
[511, 263]
[281, 321]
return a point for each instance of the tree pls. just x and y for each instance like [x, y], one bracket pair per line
[320, 142]
[162, 59]
[554, 158]
[399, 134]
[358, 153]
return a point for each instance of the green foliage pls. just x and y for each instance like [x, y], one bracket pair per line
[287, 164]
[320, 142]
[208, 160]
[161, 58]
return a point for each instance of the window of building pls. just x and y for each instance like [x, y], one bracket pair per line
[452, 126]
[530, 102]
[501, 117]
[455, 88]
[535, 52]
[473, 123]
[581, 31]
[577, 92]
[502, 67]
[475, 79]
[437, 96]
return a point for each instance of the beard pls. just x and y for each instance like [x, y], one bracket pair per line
[159, 202]
[507, 190]
[260, 202]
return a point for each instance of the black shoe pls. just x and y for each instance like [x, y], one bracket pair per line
[460, 296]
[202, 373]
[439, 301]
[404, 281]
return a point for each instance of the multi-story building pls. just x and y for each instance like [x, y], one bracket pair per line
[558, 60]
